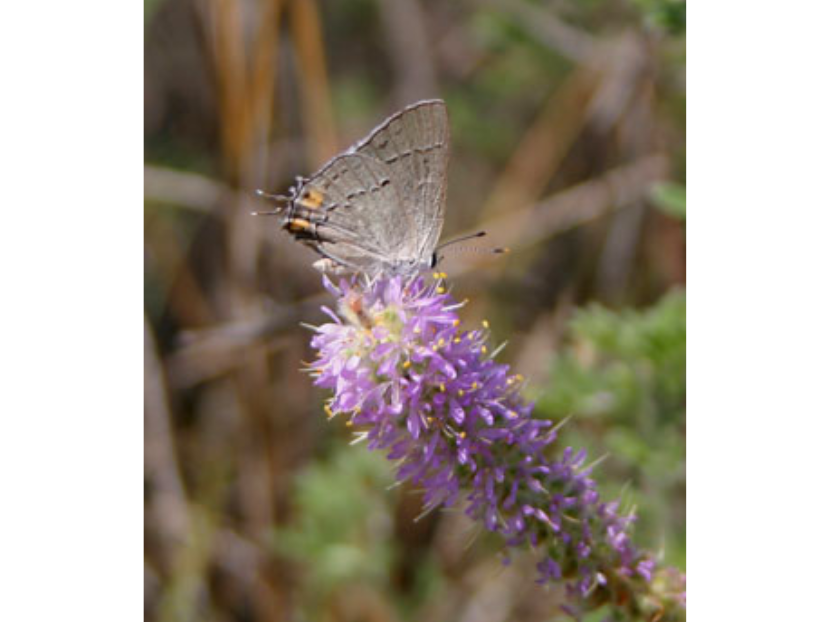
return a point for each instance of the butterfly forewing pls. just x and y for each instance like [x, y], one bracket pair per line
[414, 144]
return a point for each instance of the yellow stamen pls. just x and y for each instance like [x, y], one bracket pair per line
[436, 275]
[485, 323]
[483, 349]
[461, 393]
[328, 411]
[441, 290]
[407, 364]
[457, 340]
[442, 387]
[456, 322]
[443, 275]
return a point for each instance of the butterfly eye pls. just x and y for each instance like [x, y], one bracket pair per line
[433, 260]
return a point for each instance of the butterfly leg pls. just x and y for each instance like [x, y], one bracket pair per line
[331, 264]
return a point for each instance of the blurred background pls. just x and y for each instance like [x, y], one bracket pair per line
[568, 141]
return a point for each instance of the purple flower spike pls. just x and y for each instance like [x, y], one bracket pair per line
[428, 393]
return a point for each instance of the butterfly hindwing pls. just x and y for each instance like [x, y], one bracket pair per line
[350, 212]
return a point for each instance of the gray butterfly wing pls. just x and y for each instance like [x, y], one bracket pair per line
[354, 211]
[414, 144]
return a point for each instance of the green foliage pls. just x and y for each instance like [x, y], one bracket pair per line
[150, 7]
[667, 15]
[670, 198]
[622, 378]
[342, 531]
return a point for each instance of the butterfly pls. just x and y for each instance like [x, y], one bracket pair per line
[378, 207]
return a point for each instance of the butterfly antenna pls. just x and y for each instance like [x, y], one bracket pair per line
[281, 200]
[472, 249]
[463, 238]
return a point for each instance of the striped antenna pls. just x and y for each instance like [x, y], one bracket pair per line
[468, 249]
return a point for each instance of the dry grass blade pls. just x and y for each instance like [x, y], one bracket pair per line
[184, 540]
[183, 189]
[262, 83]
[410, 50]
[582, 203]
[168, 512]
[318, 116]
[212, 352]
[547, 28]
[543, 147]
[228, 47]
[614, 190]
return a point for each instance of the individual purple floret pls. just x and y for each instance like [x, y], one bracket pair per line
[428, 393]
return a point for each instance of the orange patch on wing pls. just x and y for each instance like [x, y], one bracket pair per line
[311, 199]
